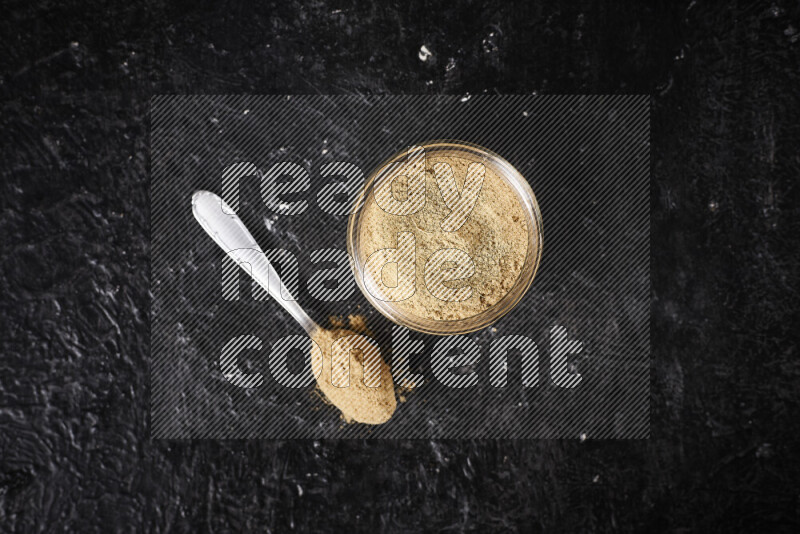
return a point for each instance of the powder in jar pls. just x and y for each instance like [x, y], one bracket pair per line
[493, 240]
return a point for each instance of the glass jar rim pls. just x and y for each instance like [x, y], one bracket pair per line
[524, 193]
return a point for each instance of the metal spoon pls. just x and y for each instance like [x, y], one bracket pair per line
[373, 404]
[229, 232]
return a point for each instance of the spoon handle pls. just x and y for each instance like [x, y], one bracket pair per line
[229, 232]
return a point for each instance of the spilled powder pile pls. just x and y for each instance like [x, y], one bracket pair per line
[358, 323]
[356, 399]
[354, 322]
[495, 236]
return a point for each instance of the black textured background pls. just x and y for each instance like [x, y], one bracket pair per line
[75, 452]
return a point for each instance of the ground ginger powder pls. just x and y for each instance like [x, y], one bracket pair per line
[494, 235]
[361, 397]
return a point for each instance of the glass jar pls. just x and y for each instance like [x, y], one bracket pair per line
[519, 188]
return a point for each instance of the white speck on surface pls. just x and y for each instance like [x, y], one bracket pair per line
[713, 205]
[583, 436]
[466, 97]
[245, 112]
[489, 44]
[764, 450]
[214, 120]
[74, 45]
[299, 490]
[424, 53]
[269, 222]
[524, 113]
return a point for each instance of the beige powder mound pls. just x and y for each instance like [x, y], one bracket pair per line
[358, 402]
[495, 236]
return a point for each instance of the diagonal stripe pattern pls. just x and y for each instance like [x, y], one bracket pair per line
[460, 204]
[587, 160]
